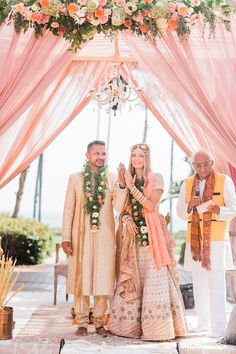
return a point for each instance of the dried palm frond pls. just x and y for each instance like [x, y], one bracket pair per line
[7, 280]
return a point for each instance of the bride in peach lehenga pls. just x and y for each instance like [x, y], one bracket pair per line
[147, 302]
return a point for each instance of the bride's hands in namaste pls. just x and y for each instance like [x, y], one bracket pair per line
[129, 180]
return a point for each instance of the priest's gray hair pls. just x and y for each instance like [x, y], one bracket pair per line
[204, 152]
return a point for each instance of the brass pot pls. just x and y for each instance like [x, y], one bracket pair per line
[6, 323]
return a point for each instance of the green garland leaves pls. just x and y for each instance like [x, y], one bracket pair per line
[138, 216]
[94, 187]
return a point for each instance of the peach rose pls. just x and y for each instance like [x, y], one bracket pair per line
[44, 3]
[172, 23]
[72, 8]
[182, 10]
[144, 28]
[195, 3]
[36, 17]
[99, 12]
[147, 1]
[20, 8]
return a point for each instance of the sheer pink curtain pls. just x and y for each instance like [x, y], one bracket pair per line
[33, 131]
[27, 67]
[172, 116]
[196, 79]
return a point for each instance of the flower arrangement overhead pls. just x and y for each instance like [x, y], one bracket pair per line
[79, 20]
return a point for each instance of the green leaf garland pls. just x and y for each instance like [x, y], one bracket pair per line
[94, 187]
[138, 215]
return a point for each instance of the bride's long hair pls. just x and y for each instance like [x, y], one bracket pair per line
[147, 163]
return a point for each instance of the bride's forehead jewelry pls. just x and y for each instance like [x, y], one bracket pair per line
[143, 147]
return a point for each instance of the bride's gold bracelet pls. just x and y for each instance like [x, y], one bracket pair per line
[138, 195]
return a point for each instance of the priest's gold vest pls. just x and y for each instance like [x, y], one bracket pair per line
[219, 229]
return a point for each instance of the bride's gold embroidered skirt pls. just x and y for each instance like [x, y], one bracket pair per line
[158, 313]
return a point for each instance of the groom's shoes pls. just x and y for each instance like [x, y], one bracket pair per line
[102, 331]
[81, 332]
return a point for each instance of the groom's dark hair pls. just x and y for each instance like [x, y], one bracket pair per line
[95, 142]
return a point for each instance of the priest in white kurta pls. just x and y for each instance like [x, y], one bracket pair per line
[91, 252]
[209, 285]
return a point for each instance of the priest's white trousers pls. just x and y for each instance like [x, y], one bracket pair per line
[209, 289]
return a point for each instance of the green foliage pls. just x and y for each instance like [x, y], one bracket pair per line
[179, 237]
[182, 251]
[138, 215]
[80, 24]
[26, 240]
[94, 187]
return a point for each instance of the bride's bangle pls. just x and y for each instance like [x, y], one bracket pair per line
[138, 195]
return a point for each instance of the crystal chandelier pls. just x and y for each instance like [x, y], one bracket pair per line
[115, 93]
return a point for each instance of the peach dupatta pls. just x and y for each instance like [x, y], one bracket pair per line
[157, 241]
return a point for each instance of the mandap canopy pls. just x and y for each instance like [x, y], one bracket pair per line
[188, 84]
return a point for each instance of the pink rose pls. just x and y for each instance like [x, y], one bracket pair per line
[147, 1]
[74, 31]
[172, 7]
[54, 24]
[145, 13]
[128, 23]
[83, 2]
[45, 19]
[102, 2]
[120, 2]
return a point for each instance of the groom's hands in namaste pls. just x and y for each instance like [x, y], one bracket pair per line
[67, 248]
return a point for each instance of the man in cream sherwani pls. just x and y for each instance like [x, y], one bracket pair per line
[207, 243]
[91, 249]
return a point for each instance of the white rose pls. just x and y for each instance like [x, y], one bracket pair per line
[95, 207]
[100, 188]
[95, 215]
[162, 24]
[94, 221]
[143, 229]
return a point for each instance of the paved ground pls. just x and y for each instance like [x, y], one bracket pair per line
[38, 291]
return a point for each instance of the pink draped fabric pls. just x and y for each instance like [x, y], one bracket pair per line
[33, 131]
[185, 82]
[158, 246]
[28, 65]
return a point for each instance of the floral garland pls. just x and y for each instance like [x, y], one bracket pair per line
[94, 187]
[79, 20]
[138, 216]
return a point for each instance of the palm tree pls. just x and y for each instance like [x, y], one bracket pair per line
[20, 192]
